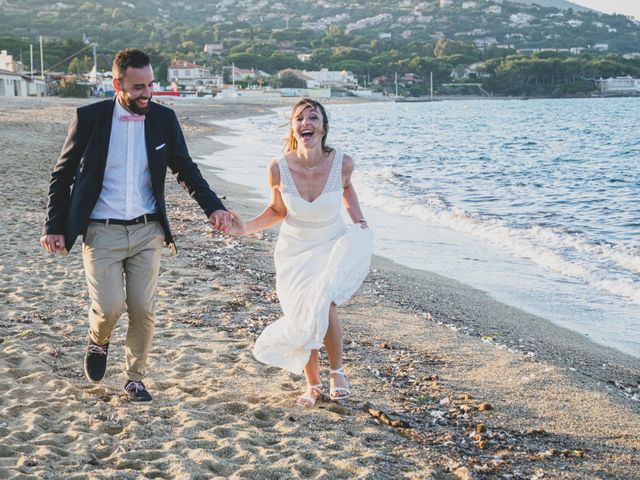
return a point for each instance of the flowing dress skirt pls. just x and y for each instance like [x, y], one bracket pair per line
[314, 267]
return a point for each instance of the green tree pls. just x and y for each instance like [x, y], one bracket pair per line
[247, 60]
[445, 48]
[279, 61]
[69, 87]
[74, 66]
[288, 79]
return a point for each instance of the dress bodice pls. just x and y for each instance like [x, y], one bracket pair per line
[324, 209]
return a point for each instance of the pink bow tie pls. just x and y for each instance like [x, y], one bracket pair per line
[131, 118]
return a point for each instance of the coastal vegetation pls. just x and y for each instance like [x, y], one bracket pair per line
[507, 48]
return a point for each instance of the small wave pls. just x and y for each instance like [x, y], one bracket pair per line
[610, 268]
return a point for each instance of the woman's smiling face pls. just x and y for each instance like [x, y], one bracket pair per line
[307, 125]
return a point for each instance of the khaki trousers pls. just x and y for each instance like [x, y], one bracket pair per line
[121, 264]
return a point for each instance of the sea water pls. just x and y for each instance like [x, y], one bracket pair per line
[534, 202]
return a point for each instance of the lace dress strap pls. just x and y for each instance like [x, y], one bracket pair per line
[286, 180]
[334, 182]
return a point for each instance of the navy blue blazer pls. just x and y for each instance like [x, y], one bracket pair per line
[76, 181]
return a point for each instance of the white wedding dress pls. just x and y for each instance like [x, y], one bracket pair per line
[319, 260]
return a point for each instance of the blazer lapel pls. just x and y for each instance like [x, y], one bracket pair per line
[105, 137]
[150, 142]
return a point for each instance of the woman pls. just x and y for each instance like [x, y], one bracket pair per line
[320, 261]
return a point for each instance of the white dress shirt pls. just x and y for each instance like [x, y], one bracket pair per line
[126, 189]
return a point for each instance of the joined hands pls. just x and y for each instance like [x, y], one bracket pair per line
[227, 222]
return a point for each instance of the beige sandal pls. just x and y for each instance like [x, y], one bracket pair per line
[308, 398]
[335, 391]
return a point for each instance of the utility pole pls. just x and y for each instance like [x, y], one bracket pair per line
[31, 59]
[41, 60]
[396, 84]
[431, 80]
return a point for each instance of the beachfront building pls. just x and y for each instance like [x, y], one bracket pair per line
[20, 85]
[14, 82]
[244, 74]
[191, 75]
[332, 78]
[183, 70]
[619, 86]
[309, 81]
[11, 84]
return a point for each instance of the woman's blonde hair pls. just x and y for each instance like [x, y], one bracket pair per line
[290, 142]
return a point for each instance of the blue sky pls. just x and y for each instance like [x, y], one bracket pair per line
[626, 7]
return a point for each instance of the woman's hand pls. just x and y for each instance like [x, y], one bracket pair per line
[238, 227]
[363, 224]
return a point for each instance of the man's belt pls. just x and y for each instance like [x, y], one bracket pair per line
[147, 217]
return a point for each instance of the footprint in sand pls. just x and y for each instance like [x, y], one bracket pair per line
[264, 417]
[235, 408]
[223, 432]
[221, 469]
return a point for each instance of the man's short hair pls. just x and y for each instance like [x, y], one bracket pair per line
[128, 57]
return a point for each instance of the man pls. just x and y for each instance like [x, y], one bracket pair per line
[109, 185]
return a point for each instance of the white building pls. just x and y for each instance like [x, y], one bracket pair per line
[192, 75]
[214, 48]
[183, 70]
[11, 84]
[7, 62]
[310, 81]
[521, 19]
[328, 78]
[20, 85]
[619, 86]
[242, 74]
[15, 83]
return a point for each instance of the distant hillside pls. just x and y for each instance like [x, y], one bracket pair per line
[560, 4]
[282, 29]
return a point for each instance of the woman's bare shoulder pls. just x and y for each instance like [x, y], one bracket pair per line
[347, 164]
[273, 172]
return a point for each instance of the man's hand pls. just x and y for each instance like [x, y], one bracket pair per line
[221, 220]
[53, 243]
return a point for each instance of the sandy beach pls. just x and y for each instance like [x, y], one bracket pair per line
[447, 383]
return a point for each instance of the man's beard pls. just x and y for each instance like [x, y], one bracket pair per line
[132, 106]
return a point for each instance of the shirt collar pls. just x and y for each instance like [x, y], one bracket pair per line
[120, 110]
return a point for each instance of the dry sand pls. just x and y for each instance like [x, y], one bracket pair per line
[447, 383]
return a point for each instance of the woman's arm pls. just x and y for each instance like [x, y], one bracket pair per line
[349, 196]
[274, 213]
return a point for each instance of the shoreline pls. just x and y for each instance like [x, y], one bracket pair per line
[442, 385]
[578, 341]
[495, 322]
